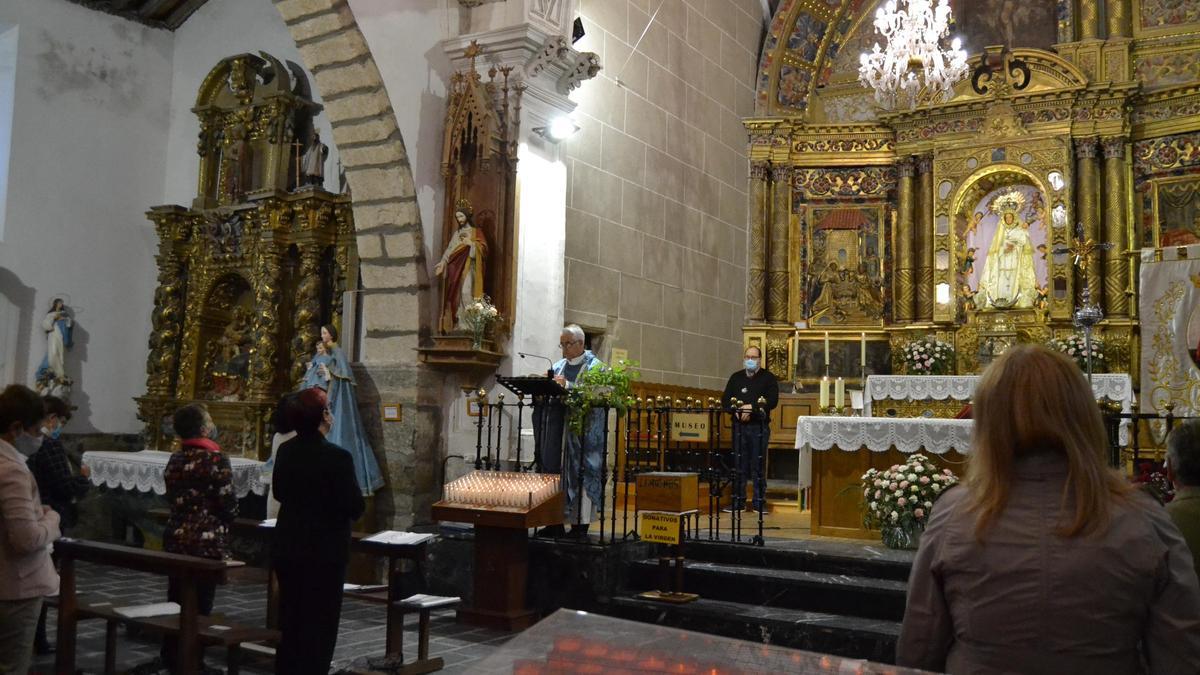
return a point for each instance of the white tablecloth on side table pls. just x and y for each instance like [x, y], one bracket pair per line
[878, 434]
[143, 471]
[1116, 387]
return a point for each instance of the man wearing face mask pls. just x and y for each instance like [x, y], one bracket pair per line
[59, 486]
[751, 422]
[27, 530]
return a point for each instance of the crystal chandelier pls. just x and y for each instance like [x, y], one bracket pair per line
[913, 58]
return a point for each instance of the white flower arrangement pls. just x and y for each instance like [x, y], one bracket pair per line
[1076, 349]
[477, 317]
[928, 356]
[898, 501]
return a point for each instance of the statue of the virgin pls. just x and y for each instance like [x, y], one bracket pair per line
[51, 375]
[330, 370]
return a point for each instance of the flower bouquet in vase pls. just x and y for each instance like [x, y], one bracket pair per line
[477, 317]
[898, 501]
[928, 356]
[1075, 347]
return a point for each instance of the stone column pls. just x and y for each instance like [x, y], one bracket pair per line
[1087, 199]
[1118, 18]
[905, 244]
[760, 209]
[923, 229]
[1116, 264]
[1089, 19]
[777, 248]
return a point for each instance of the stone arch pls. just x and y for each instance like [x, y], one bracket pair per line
[391, 261]
[386, 217]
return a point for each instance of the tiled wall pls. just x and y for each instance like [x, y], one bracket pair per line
[657, 179]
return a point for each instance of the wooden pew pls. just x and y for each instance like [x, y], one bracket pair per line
[254, 529]
[191, 628]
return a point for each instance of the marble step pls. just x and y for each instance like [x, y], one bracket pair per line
[834, 557]
[853, 637]
[841, 594]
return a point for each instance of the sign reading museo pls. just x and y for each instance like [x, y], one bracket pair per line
[689, 426]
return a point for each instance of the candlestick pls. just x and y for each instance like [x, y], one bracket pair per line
[826, 350]
[839, 394]
[823, 396]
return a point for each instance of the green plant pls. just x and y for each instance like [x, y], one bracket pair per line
[600, 387]
[898, 501]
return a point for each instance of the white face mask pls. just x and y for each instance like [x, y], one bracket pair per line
[576, 361]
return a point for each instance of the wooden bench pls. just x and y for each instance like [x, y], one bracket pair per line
[359, 543]
[193, 630]
[394, 662]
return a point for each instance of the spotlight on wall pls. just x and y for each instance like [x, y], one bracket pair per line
[560, 129]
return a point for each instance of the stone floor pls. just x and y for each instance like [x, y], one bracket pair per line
[244, 601]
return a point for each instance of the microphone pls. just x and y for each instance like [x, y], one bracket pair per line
[538, 356]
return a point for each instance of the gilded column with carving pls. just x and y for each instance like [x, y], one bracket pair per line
[905, 244]
[1118, 18]
[777, 247]
[1089, 19]
[166, 320]
[306, 317]
[1116, 264]
[923, 230]
[760, 209]
[1088, 204]
[267, 295]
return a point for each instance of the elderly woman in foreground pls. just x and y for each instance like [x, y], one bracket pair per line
[1045, 560]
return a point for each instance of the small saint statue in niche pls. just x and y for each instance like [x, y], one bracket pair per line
[461, 267]
[236, 160]
[51, 376]
[312, 164]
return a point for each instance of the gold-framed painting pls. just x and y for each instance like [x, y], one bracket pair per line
[1175, 211]
[844, 253]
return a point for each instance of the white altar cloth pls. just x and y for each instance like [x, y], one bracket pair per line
[1116, 387]
[143, 471]
[878, 434]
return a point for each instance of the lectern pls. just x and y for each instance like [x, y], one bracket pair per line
[502, 506]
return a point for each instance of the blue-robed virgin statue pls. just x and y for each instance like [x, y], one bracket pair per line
[330, 370]
[52, 373]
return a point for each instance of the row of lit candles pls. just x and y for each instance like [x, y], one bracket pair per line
[503, 488]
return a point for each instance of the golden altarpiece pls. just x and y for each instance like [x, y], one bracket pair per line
[885, 232]
[248, 274]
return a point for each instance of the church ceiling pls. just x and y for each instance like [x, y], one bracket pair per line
[169, 14]
[813, 47]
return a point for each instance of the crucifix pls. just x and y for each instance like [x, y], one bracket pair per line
[1087, 314]
[298, 150]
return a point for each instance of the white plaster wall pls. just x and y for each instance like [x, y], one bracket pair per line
[89, 127]
[219, 29]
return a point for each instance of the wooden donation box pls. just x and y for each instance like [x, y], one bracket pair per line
[668, 491]
[502, 506]
[664, 499]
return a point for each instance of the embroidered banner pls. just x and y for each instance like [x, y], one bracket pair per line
[1169, 306]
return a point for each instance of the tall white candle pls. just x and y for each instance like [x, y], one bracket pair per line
[823, 396]
[826, 348]
[862, 357]
[839, 393]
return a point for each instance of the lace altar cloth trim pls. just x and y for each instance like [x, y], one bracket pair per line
[1117, 387]
[143, 471]
[878, 434]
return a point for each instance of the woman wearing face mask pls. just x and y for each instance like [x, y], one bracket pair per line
[60, 487]
[200, 493]
[27, 529]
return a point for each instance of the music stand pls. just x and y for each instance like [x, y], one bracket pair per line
[543, 390]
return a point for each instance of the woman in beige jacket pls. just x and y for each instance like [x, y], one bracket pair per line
[27, 531]
[1044, 560]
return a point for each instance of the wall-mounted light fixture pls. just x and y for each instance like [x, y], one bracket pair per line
[560, 129]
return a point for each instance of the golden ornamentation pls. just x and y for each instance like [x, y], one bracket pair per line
[1088, 198]
[756, 290]
[1116, 265]
[232, 309]
[905, 236]
[777, 250]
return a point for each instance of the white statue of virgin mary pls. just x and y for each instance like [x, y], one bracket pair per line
[52, 373]
[1009, 280]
